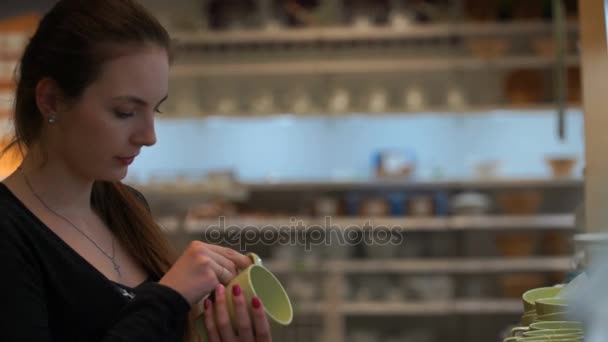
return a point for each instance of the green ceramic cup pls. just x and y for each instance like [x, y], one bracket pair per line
[547, 306]
[560, 316]
[555, 333]
[529, 298]
[556, 325]
[258, 281]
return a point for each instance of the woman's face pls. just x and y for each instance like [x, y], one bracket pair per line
[102, 133]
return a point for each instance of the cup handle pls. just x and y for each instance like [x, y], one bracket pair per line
[519, 330]
[255, 258]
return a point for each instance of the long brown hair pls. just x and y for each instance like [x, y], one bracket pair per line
[70, 46]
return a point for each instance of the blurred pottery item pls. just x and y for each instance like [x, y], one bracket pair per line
[544, 47]
[374, 207]
[421, 206]
[227, 105]
[339, 101]
[487, 48]
[523, 87]
[401, 19]
[326, 206]
[394, 163]
[378, 101]
[414, 99]
[481, 10]
[487, 169]
[515, 244]
[263, 103]
[456, 98]
[523, 202]
[555, 243]
[299, 101]
[515, 285]
[470, 203]
[562, 167]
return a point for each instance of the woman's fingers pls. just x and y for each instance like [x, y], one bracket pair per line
[260, 321]
[222, 318]
[240, 260]
[223, 268]
[243, 322]
[212, 332]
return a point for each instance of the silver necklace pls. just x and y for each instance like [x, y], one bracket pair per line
[111, 257]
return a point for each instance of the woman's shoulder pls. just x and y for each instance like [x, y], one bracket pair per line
[13, 218]
[10, 205]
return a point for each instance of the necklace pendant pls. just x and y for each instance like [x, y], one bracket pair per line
[116, 268]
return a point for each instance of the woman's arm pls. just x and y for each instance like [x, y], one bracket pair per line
[153, 314]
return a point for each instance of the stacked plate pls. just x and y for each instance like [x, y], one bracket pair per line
[546, 318]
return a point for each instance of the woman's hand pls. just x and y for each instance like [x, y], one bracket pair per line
[217, 321]
[201, 268]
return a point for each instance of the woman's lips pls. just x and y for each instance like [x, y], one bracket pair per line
[126, 161]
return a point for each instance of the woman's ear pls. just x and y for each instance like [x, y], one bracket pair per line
[47, 97]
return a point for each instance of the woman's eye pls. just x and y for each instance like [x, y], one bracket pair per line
[123, 115]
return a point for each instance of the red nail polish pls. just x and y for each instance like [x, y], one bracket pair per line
[236, 290]
[207, 304]
[255, 301]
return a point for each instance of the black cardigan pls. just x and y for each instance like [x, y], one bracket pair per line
[48, 292]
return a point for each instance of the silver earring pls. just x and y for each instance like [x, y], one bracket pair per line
[52, 118]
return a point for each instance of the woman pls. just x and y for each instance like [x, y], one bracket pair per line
[83, 259]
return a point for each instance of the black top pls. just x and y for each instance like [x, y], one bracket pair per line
[49, 292]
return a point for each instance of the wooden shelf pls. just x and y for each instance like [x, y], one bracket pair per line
[455, 223]
[485, 109]
[435, 308]
[340, 34]
[555, 221]
[434, 266]
[357, 66]
[404, 184]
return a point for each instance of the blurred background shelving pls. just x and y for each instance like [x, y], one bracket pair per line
[467, 247]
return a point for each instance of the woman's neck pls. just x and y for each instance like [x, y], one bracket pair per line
[55, 183]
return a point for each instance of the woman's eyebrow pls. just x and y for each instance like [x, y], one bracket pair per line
[137, 100]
